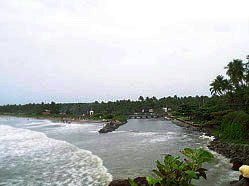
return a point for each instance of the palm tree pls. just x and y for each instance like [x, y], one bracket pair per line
[236, 72]
[220, 86]
[141, 98]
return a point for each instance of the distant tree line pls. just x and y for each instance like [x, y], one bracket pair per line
[125, 107]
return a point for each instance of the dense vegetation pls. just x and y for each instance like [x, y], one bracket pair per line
[235, 126]
[234, 92]
[125, 107]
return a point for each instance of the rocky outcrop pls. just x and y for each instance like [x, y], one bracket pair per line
[119, 183]
[111, 126]
[141, 181]
[238, 153]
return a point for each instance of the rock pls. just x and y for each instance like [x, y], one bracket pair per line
[242, 182]
[246, 162]
[119, 183]
[104, 130]
[237, 154]
[141, 181]
[111, 126]
[237, 162]
[233, 182]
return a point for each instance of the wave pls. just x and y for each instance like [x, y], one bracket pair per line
[31, 158]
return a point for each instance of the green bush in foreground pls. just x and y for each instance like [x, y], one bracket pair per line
[174, 172]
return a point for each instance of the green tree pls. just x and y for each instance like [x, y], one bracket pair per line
[236, 72]
[141, 98]
[219, 86]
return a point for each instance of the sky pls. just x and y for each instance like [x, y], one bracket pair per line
[87, 50]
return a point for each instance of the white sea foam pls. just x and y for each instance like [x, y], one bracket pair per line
[119, 131]
[204, 136]
[143, 133]
[223, 166]
[160, 139]
[31, 158]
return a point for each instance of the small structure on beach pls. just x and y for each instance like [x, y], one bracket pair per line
[91, 112]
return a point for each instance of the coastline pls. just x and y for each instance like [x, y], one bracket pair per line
[191, 125]
[109, 125]
[59, 119]
[228, 149]
[238, 154]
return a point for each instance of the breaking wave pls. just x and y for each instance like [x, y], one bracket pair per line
[31, 158]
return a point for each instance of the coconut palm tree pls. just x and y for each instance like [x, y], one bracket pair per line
[220, 86]
[236, 72]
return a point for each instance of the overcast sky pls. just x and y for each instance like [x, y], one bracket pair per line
[86, 50]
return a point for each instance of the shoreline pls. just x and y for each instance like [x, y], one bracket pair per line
[228, 149]
[61, 120]
[238, 154]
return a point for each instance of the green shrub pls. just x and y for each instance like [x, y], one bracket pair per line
[121, 118]
[174, 172]
[234, 126]
[108, 116]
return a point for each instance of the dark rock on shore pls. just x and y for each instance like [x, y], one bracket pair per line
[111, 126]
[242, 182]
[124, 182]
[238, 153]
[119, 183]
[193, 127]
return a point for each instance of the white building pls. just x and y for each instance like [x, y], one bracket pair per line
[151, 110]
[91, 112]
[165, 109]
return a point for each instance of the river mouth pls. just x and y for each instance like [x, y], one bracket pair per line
[130, 151]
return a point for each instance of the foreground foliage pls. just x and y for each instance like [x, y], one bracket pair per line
[174, 172]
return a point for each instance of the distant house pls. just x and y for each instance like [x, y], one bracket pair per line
[165, 109]
[91, 112]
[151, 110]
[45, 112]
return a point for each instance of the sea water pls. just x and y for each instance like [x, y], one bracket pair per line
[41, 152]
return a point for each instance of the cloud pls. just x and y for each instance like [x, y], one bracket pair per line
[110, 49]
